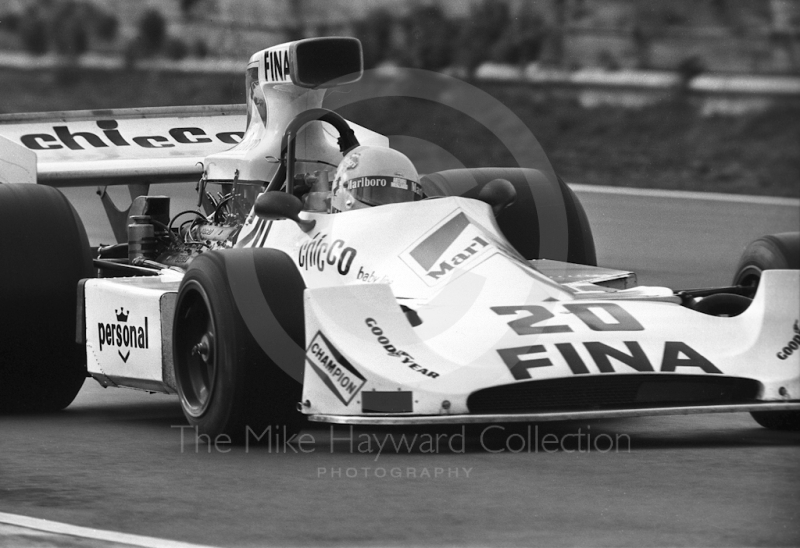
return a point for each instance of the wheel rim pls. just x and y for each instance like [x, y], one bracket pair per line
[196, 350]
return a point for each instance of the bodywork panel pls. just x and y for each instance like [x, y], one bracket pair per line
[129, 331]
[577, 338]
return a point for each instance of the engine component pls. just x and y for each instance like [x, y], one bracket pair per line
[141, 238]
[214, 233]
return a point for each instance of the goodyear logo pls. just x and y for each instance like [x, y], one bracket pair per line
[792, 345]
[453, 244]
[335, 371]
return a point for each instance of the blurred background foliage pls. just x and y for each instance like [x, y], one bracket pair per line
[67, 27]
[717, 35]
[670, 144]
[665, 145]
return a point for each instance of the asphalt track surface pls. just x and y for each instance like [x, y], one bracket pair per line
[115, 460]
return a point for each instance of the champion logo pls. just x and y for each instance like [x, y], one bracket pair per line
[335, 371]
[454, 243]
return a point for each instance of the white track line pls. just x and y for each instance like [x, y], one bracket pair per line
[687, 195]
[89, 533]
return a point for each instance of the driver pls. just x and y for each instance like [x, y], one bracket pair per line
[372, 176]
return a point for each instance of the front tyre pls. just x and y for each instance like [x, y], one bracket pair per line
[778, 251]
[228, 384]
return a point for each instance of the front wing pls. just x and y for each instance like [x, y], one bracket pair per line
[366, 364]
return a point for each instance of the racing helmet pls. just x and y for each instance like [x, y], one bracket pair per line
[370, 176]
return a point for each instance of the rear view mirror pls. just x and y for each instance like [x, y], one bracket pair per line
[324, 62]
[498, 193]
[276, 205]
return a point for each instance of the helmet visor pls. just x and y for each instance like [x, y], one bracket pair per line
[384, 190]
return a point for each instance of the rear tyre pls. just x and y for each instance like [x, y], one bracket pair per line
[524, 223]
[778, 251]
[228, 384]
[45, 253]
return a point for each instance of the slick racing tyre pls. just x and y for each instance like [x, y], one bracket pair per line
[238, 344]
[526, 222]
[778, 251]
[45, 253]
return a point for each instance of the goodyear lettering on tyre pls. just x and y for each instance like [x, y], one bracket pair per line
[792, 345]
[321, 253]
[335, 371]
[123, 335]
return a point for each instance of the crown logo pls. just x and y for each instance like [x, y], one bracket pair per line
[122, 316]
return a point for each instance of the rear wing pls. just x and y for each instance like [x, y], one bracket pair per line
[140, 147]
[135, 147]
[116, 147]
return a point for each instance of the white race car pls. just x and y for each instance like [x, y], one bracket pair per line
[324, 279]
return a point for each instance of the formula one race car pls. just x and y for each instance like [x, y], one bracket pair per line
[324, 278]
